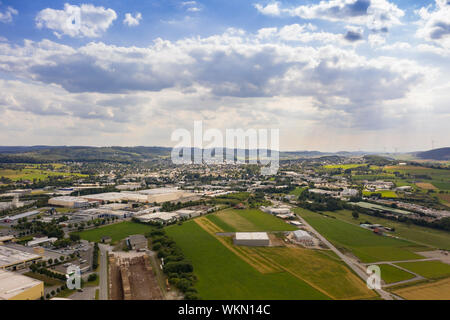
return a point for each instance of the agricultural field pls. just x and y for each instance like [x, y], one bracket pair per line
[326, 273]
[421, 235]
[364, 244]
[436, 290]
[384, 193]
[232, 220]
[391, 274]
[440, 178]
[428, 269]
[31, 173]
[117, 231]
[224, 275]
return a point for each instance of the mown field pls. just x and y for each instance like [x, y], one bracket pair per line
[391, 274]
[223, 275]
[364, 244]
[435, 290]
[116, 231]
[232, 220]
[428, 269]
[426, 236]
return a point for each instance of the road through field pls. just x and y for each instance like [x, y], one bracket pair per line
[103, 294]
[356, 267]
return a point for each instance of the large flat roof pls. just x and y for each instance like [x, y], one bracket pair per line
[10, 256]
[252, 236]
[12, 284]
[160, 191]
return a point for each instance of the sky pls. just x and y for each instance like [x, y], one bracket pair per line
[331, 75]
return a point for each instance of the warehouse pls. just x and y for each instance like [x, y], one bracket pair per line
[161, 195]
[187, 214]
[253, 239]
[14, 286]
[303, 237]
[162, 217]
[10, 219]
[137, 242]
[68, 202]
[12, 259]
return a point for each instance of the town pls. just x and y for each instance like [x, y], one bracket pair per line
[151, 230]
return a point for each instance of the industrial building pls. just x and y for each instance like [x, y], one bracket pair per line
[162, 217]
[14, 286]
[9, 219]
[303, 237]
[40, 241]
[160, 195]
[253, 239]
[12, 259]
[69, 202]
[137, 242]
[188, 214]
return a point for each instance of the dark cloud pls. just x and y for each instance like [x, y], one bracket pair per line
[353, 36]
[440, 30]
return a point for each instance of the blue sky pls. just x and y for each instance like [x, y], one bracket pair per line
[332, 75]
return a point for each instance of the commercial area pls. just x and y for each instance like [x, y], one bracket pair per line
[12, 259]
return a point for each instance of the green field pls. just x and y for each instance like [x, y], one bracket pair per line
[428, 269]
[384, 193]
[298, 191]
[426, 236]
[364, 244]
[32, 173]
[223, 275]
[231, 220]
[116, 231]
[391, 274]
[440, 178]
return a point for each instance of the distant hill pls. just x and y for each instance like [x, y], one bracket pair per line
[436, 154]
[33, 154]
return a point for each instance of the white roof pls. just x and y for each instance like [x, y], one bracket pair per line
[10, 256]
[12, 284]
[252, 236]
[69, 199]
[160, 191]
[301, 234]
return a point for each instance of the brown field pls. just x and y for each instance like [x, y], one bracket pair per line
[445, 197]
[426, 186]
[439, 290]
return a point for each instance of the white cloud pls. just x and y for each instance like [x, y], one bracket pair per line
[434, 24]
[377, 15]
[191, 6]
[7, 15]
[132, 21]
[77, 21]
[271, 9]
[204, 73]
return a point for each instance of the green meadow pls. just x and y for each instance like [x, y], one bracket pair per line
[117, 231]
[232, 220]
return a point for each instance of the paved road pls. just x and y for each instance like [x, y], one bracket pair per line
[401, 261]
[103, 294]
[355, 266]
